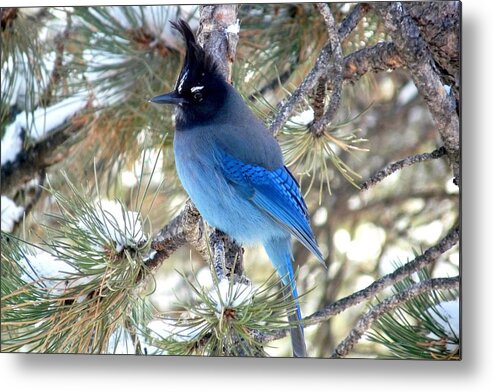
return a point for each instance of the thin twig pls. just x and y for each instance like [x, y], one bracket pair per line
[393, 167]
[386, 306]
[351, 21]
[423, 260]
[310, 81]
[322, 66]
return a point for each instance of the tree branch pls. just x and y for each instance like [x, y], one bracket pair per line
[352, 20]
[217, 36]
[439, 23]
[186, 227]
[393, 167]
[310, 81]
[346, 27]
[416, 55]
[316, 75]
[38, 157]
[428, 257]
[228, 257]
[335, 74]
[389, 304]
[380, 57]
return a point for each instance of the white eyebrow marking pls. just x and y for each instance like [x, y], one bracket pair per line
[196, 88]
[182, 80]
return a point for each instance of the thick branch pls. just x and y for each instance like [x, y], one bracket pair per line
[393, 167]
[389, 304]
[439, 23]
[415, 54]
[420, 262]
[217, 34]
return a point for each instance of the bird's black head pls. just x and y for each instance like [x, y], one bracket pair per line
[200, 90]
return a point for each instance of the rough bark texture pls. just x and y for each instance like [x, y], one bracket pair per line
[186, 227]
[323, 71]
[380, 57]
[217, 36]
[335, 74]
[439, 26]
[415, 53]
[352, 20]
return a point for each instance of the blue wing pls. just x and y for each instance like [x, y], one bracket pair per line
[277, 194]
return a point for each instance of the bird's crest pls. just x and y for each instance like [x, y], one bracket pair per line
[197, 63]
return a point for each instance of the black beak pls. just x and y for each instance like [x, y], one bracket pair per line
[171, 98]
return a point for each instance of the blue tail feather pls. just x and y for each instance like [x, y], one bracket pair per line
[279, 251]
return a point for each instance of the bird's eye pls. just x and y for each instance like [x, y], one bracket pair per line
[197, 96]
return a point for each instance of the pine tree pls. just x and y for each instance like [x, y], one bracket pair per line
[102, 252]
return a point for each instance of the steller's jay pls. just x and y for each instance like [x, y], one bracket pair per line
[232, 168]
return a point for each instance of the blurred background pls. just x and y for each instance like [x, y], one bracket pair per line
[75, 84]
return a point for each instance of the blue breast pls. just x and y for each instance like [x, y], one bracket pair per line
[199, 170]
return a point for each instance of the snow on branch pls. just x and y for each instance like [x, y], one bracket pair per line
[38, 124]
[11, 214]
[113, 222]
[49, 272]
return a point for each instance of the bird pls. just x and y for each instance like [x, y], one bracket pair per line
[233, 170]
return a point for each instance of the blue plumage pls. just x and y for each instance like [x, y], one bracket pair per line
[232, 168]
